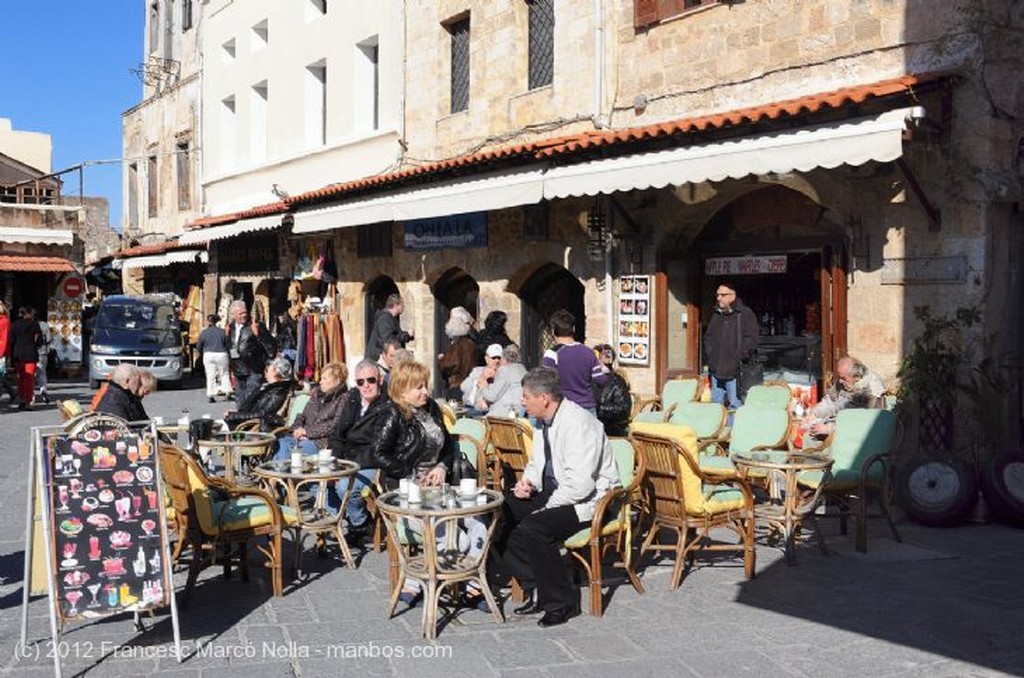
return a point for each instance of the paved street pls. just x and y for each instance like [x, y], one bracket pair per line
[945, 603]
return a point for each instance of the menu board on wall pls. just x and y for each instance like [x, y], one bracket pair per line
[634, 344]
[109, 535]
[64, 316]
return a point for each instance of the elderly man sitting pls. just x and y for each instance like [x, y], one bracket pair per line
[123, 393]
[856, 387]
[497, 387]
[265, 402]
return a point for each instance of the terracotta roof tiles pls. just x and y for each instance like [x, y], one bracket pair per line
[35, 264]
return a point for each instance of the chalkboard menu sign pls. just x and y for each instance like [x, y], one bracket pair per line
[107, 522]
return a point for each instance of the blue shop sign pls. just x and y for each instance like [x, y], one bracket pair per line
[453, 231]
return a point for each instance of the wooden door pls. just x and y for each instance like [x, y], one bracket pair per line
[833, 309]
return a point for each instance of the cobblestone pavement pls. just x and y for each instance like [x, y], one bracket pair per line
[945, 603]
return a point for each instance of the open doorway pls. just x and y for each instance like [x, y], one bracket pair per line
[549, 289]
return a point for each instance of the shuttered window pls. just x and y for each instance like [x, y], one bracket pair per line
[649, 12]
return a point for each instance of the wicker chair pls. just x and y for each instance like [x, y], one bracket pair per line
[511, 440]
[611, 528]
[685, 500]
[769, 394]
[214, 517]
[861, 446]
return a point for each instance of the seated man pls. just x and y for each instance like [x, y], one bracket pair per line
[856, 387]
[123, 394]
[360, 409]
[570, 469]
[312, 429]
[504, 392]
[266, 401]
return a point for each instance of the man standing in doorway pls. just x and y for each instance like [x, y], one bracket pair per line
[387, 326]
[730, 339]
[250, 348]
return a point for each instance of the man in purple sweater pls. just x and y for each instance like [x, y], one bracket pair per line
[577, 365]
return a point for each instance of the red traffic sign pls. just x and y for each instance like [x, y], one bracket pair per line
[73, 286]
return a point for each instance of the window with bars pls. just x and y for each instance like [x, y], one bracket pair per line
[649, 12]
[541, 27]
[373, 240]
[459, 31]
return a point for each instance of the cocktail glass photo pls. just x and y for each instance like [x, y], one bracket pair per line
[150, 498]
[149, 525]
[144, 452]
[62, 494]
[73, 597]
[112, 596]
[137, 504]
[67, 461]
[94, 589]
[94, 548]
[76, 487]
[78, 465]
[133, 455]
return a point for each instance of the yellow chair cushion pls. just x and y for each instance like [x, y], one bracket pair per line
[719, 499]
[246, 513]
[683, 435]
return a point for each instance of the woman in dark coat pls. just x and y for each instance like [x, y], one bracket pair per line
[312, 429]
[492, 333]
[458, 361]
[24, 341]
[265, 402]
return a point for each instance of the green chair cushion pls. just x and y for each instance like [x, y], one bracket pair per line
[720, 498]
[246, 513]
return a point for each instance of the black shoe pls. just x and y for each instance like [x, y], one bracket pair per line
[211, 399]
[558, 617]
[531, 606]
[355, 536]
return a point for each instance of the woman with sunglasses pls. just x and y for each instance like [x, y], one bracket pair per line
[353, 435]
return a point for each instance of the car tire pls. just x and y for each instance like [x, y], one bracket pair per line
[936, 491]
[1002, 483]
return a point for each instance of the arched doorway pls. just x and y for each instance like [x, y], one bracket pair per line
[550, 288]
[454, 288]
[788, 265]
[375, 296]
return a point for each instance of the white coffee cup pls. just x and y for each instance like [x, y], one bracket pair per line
[159, 421]
[414, 493]
[296, 460]
[403, 487]
[325, 457]
[467, 487]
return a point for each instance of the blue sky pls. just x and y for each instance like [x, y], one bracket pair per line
[67, 74]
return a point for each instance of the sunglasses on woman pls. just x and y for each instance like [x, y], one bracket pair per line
[368, 380]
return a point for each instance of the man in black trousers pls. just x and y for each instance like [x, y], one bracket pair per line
[570, 469]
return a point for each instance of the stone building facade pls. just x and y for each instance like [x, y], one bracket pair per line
[842, 163]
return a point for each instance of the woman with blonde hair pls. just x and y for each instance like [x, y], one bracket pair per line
[312, 429]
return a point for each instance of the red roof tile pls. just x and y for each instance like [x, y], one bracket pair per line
[567, 145]
[35, 264]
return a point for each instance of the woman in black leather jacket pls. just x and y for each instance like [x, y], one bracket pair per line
[264, 403]
[410, 436]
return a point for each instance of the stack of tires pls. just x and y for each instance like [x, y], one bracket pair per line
[939, 490]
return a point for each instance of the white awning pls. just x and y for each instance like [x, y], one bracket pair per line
[199, 235]
[36, 236]
[476, 193]
[850, 142]
[159, 260]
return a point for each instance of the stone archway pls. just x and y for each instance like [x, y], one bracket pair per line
[548, 288]
[454, 287]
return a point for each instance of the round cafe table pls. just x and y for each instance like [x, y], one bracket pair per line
[312, 518]
[789, 502]
[423, 542]
[238, 449]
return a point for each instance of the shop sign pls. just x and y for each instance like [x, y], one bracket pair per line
[745, 265]
[248, 254]
[455, 231]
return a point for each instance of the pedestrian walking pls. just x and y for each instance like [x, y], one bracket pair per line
[214, 349]
[44, 359]
[386, 325]
[251, 347]
[25, 339]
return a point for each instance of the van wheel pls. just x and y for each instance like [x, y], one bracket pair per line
[94, 384]
[936, 491]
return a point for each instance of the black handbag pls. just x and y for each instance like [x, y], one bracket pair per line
[462, 467]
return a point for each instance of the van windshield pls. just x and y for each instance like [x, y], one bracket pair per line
[136, 316]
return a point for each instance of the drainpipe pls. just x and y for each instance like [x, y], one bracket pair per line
[598, 63]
